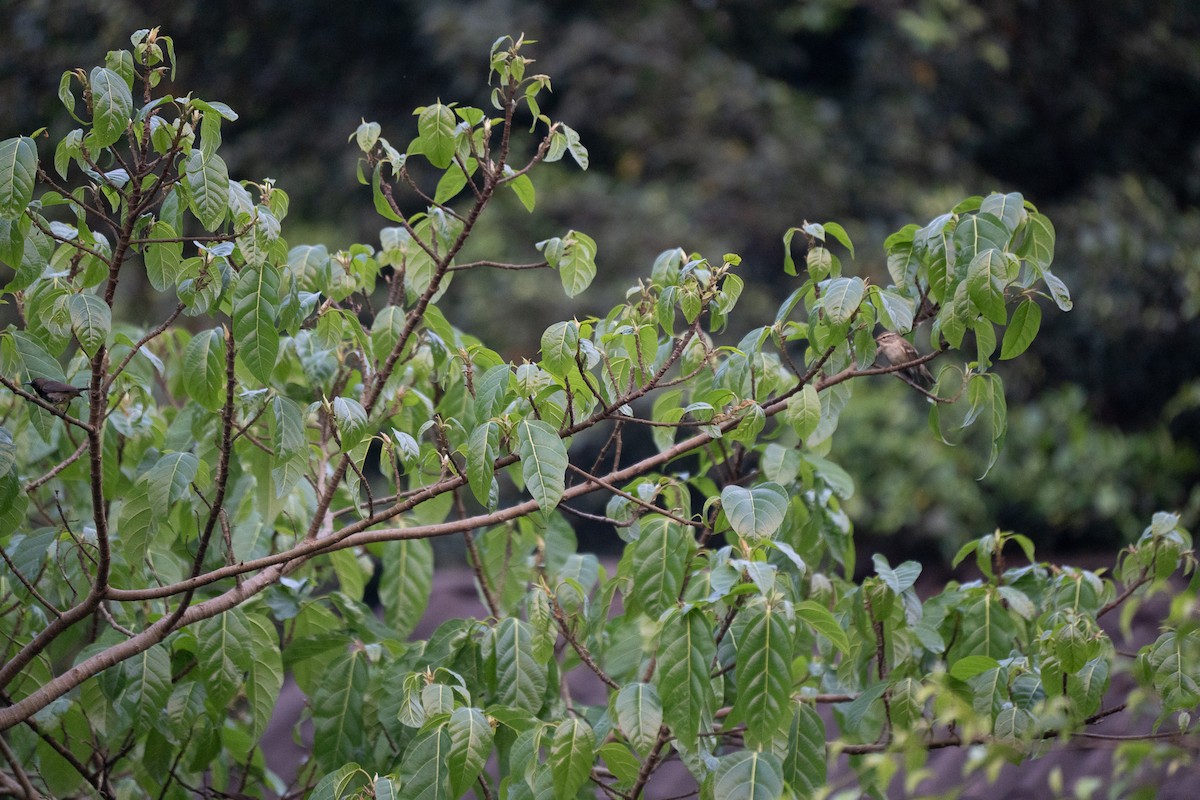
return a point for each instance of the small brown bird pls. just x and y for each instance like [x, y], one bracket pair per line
[898, 350]
[53, 391]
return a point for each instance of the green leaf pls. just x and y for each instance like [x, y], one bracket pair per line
[839, 233]
[204, 368]
[842, 297]
[985, 279]
[149, 686]
[470, 744]
[163, 259]
[255, 308]
[560, 342]
[340, 783]
[1038, 245]
[756, 512]
[804, 765]
[966, 668]
[748, 775]
[823, 622]
[621, 763]
[1058, 291]
[435, 127]
[897, 310]
[521, 678]
[91, 320]
[686, 651]
[639, 715]
[18, 170]
[572, 751]
[351, 419]
[168, 480]
[405, 583]
[543, 462]
[764, 676]
[1022, 329]
[804, 411]
[577, 267]
[265, 675]
[337, 710]
[112, 106]
[522, 187]
[660, 557]
[482, 449]
[207, 181]
[425, 769]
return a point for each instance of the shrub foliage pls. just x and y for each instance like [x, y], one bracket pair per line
[206, 516]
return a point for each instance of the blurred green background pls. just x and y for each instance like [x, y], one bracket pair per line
[717, 124]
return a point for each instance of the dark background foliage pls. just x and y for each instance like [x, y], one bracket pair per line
[716, 125]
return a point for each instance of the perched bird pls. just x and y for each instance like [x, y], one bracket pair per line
[53, 391]
[898, 350]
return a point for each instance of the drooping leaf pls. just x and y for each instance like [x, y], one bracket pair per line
[337, 710]
[18, 169]
[660, 557]
[1021, 330]
[351, 419]
[163, 258]
[842, 297]
[425, 769]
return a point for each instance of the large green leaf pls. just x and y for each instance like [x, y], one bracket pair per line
[685, 655]
[340, 783]
[482, 447]
[639, 715]
[560, 342]
[425, 769]
[112, 106]
[405, 583]
[1021, 330]
[985, 282]
[804, 766]
[543, 461]
[351, 419]
[163, 259]
[255, 307]
[148, 686]
[471, 739]
[204, 368]
[572, 751]
[803, 411]
[521, 678]
[842, 298]
[265, 675]
[337, 711]
[756, 512]
[18, 169]
[435, 128]
[747, 775]
[208, 184]
[764, 658]
[660, 557]
[824, 623]
[91, 319]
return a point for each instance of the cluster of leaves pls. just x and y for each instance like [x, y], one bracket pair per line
[212, 517]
